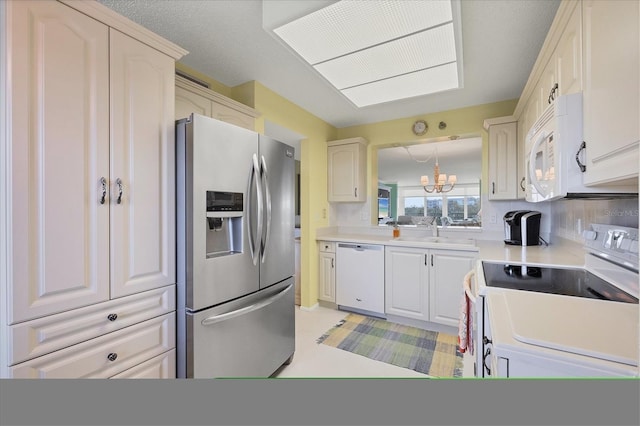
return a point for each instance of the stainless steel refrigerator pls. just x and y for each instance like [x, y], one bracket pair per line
[235, 255]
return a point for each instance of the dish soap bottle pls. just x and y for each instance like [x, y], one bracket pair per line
[396, 231]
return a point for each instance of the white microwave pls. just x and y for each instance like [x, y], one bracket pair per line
[553, 153]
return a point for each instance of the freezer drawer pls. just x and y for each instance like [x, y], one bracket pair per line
[249, 337]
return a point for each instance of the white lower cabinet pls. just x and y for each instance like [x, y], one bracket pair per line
[425, 284]
[104, 356]
[448, 268]
[327, 272]
[407, 282]
[161, 367]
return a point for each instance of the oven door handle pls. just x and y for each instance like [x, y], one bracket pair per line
[467, 285]
[484, 361]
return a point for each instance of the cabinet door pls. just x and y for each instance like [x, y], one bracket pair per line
[407, 282]
[327, 277]
[143, 159]
[59, 101]
[503, 162]
[568, 55]
[446, 284]
[611, 87]
[188, 103]
[327, 289]
[346, 166]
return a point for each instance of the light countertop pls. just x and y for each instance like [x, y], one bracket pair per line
[562, 252]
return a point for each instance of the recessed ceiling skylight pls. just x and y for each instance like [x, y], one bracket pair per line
[381, 51]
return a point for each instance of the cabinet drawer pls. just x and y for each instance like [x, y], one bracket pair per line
[327, 246]
[161, 367]
[128, 348]
[45, 335]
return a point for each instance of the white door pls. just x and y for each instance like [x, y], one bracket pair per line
[407, 282]
[611, 86]
[503, 159]
[327, 277]
[143, 166]
[446, 284]
[343, 169]
[59, 152]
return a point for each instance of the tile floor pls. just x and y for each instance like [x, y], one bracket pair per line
[317, 360]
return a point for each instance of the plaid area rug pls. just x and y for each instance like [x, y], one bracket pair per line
[429, 352]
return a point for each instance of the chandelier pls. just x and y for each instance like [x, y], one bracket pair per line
[441, 184]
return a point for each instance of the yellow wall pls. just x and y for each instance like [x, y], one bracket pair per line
[313, 177]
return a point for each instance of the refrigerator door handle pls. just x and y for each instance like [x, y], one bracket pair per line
[254, 178]
[250, 308]
[265, 241]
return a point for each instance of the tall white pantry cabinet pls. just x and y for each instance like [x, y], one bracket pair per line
[87, 256]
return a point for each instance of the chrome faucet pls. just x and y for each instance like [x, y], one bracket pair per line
[434, 227]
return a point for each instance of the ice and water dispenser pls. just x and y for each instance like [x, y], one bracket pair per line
[224, 223]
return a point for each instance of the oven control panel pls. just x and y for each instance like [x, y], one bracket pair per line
[616, 242]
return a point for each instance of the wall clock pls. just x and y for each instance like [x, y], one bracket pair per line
[420, 127]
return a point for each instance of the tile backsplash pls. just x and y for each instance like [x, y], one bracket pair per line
[570, 217]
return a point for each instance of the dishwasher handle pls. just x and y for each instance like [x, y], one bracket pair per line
[361, 247]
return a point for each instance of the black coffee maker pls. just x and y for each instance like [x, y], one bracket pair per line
[522, 227]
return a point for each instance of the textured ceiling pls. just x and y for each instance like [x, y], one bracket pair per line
[226, 40]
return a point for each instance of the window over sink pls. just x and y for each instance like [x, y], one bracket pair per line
[400, 168]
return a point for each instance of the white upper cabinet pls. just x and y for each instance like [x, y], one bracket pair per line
[59, 138]
[347, 170]
[611, 101]
[503, 158]
[568, 56]
[92, 114]
[142, 167]
[193, 98]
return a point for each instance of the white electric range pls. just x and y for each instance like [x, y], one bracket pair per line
[541, 321]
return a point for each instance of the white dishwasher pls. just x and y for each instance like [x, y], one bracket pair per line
[360, 278]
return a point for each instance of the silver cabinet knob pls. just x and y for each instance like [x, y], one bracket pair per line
[112, 317]
[112, 356]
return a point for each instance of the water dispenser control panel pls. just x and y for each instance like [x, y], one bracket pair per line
[218, 201]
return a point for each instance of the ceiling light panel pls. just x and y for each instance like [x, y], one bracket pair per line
[417, 52]
[419, 83]
[348, 26]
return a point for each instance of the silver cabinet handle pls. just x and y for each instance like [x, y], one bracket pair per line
[583, 146]
[522, 185]
[355, 192]
[332, 264]
[119, 183]
[103, 182]
[493, 187]
[112, 356]
[267, 198]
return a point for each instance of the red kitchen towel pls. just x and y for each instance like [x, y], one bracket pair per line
[465, 325]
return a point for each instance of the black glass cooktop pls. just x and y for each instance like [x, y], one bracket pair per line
[567, 282]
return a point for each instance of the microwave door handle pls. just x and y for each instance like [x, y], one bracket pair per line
[532, 173]
[267, 197]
